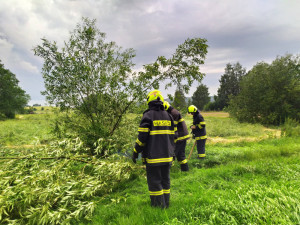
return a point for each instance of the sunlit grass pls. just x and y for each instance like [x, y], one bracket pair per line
[215, 114]
[42, 109]
[225, 129]
[26, 129]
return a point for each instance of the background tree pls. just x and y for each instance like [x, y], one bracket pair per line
[201, 96]
[12, 98]
[213, 105]
[179, 100]
[229, 84]
[93, 79]
[269, 93]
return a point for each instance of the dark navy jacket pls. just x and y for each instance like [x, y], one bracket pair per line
[156, 139]
[200, 124]
[182, 130]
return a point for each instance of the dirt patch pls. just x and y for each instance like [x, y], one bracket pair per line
[215, 140]
[269, 133]
[211, 114]
[215, 114]
[273, 132]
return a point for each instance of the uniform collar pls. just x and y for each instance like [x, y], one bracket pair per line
[196, 113]
[156, 105]
[170, 108]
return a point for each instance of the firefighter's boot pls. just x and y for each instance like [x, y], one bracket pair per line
[158, 201]
[167, 200]
[184, 167]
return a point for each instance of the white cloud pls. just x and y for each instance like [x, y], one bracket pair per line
[6, 49]
[12, 60]
[27, 66]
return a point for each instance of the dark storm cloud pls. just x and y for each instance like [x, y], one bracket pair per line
[236, 30]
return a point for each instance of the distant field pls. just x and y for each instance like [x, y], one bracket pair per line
[42, 109]
[223, 129]
[26, 130]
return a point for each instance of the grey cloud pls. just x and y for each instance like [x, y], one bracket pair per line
[236, 30]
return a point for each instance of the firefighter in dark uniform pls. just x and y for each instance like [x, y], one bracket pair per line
[156, 142]
[182, 137]
[198, 130]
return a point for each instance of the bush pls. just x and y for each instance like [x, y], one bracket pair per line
[214, 106]
[269, 93]
[2, 116]
[291, 128]
[10, 115]
[97, 138]
[28, 110]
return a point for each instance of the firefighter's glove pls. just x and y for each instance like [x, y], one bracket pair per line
[134, 157]
[193, 127]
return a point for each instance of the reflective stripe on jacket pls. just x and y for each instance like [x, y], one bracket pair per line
[156, 135]
[200, 124]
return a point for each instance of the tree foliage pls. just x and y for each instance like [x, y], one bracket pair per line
[12, 97]
[229, 84]
[179, 100]
[93, 78]
[270, 93]
[201, 96]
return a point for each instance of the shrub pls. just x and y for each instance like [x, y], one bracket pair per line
[291, 128]
[269, 93]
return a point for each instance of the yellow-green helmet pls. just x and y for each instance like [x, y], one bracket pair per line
[192, 109]
[154, 95]
[166, 105]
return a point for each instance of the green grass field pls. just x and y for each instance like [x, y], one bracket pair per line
[239, 183]
[250, 176]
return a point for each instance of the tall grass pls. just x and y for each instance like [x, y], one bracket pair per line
[26, 129]
[230, 128]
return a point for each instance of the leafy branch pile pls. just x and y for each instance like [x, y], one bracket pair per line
[35, 191]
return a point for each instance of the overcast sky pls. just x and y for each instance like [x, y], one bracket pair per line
[236, 30]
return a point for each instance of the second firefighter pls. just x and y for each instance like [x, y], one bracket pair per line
[183, 136]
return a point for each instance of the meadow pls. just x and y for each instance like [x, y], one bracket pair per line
[250, 176]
